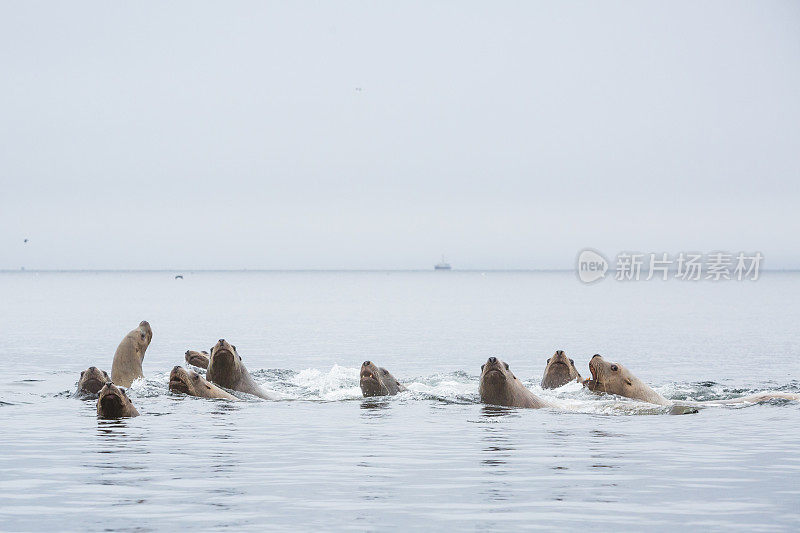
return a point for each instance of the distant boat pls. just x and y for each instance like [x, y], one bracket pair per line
[443, 265]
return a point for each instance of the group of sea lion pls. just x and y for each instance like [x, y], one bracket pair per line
[112, 400]
[226, 372]
[499, 386]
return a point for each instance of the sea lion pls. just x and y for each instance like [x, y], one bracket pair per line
[613, 378]
[559, 371]
[191, 383]
[499, 386]
[225, 368]
[377, 381]
[198, 359]
[113, 402]
[91, 381]
[127, 365]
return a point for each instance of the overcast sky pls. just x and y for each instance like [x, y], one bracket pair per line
[382, 135]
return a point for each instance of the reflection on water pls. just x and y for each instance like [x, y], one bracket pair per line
[493, 411]
[113, 428]
[375, 407]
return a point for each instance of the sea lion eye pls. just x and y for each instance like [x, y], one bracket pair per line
[548, 360]
[506, 365]
[83, 372]
[614, 368]
[234, 347]
[142, 336]
[572, 361]
[483, 365]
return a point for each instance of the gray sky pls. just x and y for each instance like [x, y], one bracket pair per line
[378, 135]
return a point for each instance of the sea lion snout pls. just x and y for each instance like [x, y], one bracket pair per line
[221, 341]
[495, 369]
[490, 363]
[367, 371]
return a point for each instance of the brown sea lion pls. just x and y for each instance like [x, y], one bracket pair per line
[377, 381]
[613, 378]
[191, 383]
[198, 359]
[127, 365]
[225, 368]
[113, 402]
[499, 386]
[91, 381]
[559, 371]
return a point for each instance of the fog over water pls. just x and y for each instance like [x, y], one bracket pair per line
[372, 135]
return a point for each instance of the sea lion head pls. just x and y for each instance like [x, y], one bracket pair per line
[188, 382]
[497, 382]
[371, 380]
[92, 380]
[611, 378]
[113, 402]
[198, 359]
[145, 334]
[495, 371]
[559, 371]
[224, 358]
[140, 338]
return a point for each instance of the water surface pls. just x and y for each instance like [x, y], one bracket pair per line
[431, 458]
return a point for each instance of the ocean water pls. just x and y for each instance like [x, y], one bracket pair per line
[433, 458]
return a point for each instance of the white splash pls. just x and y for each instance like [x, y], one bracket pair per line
[339, 383]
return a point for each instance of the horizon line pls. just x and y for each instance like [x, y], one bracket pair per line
[193, 270]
